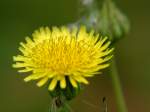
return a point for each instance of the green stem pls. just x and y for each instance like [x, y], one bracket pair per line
[121, 106]
[59, 105]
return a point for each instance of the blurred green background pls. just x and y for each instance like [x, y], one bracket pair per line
[19, 18]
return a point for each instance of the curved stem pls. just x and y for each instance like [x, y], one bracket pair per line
[121, 106]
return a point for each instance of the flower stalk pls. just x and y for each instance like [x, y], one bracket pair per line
[121, 106]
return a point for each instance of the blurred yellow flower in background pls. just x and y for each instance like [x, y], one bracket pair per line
[60, 53]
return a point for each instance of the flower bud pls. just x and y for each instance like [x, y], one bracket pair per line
[112, 21]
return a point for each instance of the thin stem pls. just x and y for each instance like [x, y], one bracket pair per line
[121, 106]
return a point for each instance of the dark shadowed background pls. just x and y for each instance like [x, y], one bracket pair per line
[19, 18]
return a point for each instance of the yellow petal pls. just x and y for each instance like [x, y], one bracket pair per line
[21, 49]
[63, 82]
[65, 31]
[105, 46]
[25, 70]
[29, 41]
[28, 78]
[94, 69]
[106, 59]
[20, 58]
[74, 31]
[106, 52]
[103, 40]
[23, 44]
[96, 38]
[81, 79]
[82, 35]
[35, 76]
[42, 82]
[53, 84]
[73, 82]
[19, 65]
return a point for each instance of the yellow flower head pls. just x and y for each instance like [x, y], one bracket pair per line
[53, 55]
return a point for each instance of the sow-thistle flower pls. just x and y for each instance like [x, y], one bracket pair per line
[59, 55]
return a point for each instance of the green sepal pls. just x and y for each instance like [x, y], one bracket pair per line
[69, 92]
